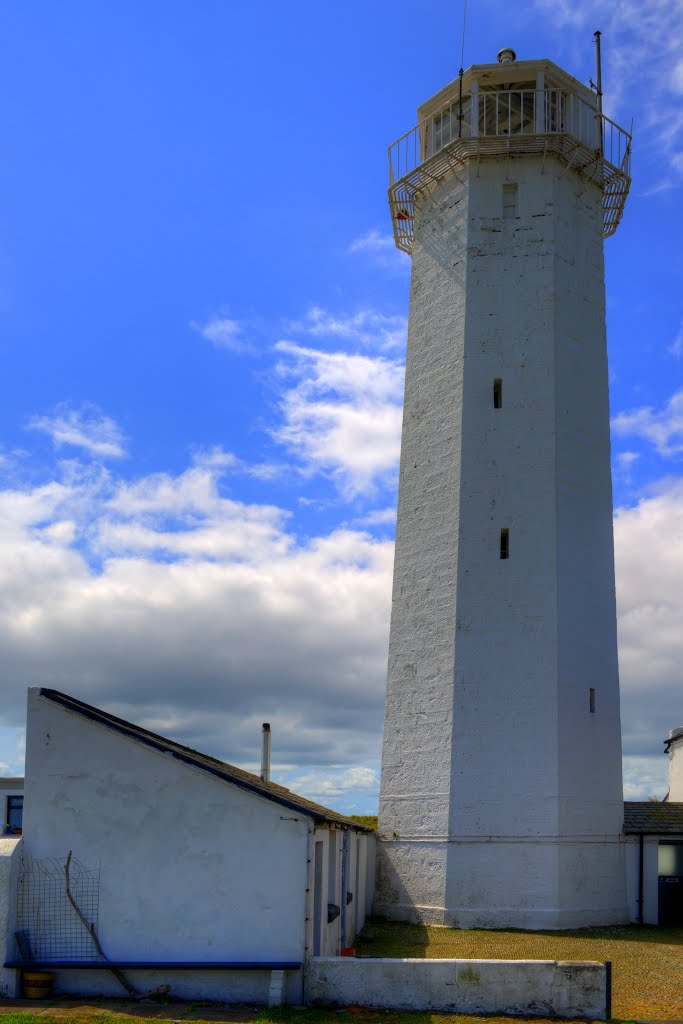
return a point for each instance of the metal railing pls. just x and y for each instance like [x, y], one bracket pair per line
[507, 114]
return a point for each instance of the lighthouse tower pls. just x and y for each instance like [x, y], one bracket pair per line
[501, 792]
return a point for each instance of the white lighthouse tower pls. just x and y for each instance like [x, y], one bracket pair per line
[501, 793]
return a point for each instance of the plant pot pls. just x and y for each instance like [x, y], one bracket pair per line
[37, 984]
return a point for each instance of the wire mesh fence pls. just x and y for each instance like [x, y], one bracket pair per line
[48, 927]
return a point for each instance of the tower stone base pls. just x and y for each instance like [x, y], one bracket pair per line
[525, 883]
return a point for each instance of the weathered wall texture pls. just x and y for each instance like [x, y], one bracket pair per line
[10, 850]
[524, 987]
[192, 868]
[676, 768]
[501, 799]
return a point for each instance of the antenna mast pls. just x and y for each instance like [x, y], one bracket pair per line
[598, 85]
[462, 61]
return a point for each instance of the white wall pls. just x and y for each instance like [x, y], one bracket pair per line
[10, 852]
[490, 751]
[522, 987]
[650, 876]
[191, 867]
[676, 769]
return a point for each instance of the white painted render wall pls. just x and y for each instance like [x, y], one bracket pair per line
[676, 769]
[501, 800]
[191, 867]
[650, 877]
[520, 987]
[10, 849]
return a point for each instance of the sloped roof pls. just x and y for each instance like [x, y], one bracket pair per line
[219, 769]
[651, 817]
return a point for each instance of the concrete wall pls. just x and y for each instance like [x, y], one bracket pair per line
[676, 768]
[491, 753]
[191, 867]
[523, 987]
[10, 852]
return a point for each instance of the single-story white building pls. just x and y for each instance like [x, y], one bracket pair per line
[11, 805]
[177, 859]
[654, 834]
[221, 884]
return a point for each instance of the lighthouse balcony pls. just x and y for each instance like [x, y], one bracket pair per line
[507, 123]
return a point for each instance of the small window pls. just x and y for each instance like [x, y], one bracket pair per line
[505, 543]
[591, 700]
[15, 813]
[510, 201]
[497, 393]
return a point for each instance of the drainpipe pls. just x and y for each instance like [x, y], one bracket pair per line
[309, 908]
[265, 752]
[641, 862]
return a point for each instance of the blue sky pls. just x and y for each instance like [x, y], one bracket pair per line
[202, 335]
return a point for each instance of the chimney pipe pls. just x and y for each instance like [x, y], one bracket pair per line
[265, 752]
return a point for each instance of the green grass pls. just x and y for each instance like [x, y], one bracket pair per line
[369, 820]
[647, 978]
[44, 1017]
[647, 963]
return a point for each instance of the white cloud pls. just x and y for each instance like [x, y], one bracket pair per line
[324, 785]
[676, 346]
[642, 54]
[626, 459]
[677, 77]
[201, 617]
[662, 428]
[368, 327]
[381, 249]
[224, 333]
[373, 241]
[378, 517]
[86, 427]
[196, 615]
[645, 777]
[649, 564]
[343, 415]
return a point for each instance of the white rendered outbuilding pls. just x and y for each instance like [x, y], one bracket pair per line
[178, 858]
[501, 791]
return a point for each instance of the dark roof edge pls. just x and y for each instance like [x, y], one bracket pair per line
[675, 734]
[188, 756]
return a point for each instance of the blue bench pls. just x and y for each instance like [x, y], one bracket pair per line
[277, 968]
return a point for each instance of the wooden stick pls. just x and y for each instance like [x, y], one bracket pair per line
[90, 928]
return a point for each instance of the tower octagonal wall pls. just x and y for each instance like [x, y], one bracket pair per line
[501, 799]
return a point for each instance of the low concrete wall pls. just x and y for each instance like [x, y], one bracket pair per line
[10, 851]
[542, 988]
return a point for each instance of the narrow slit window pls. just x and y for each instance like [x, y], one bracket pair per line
[591, 700]
[505, 543]
[497, 393]
[510, 201]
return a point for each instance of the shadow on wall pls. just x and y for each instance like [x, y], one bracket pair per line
[437, 221]
[381, 937]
